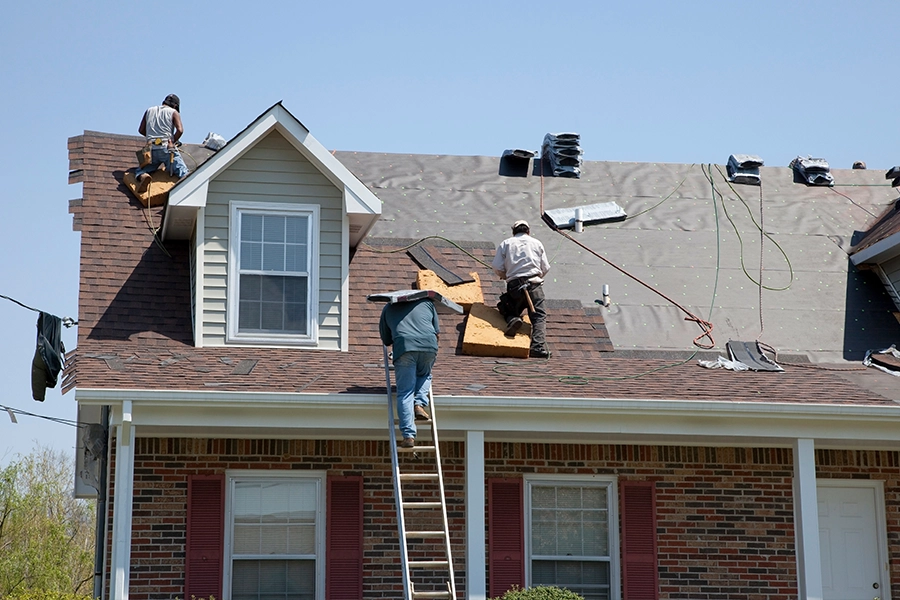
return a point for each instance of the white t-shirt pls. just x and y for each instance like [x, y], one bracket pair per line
[160, 122]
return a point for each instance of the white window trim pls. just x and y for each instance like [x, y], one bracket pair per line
[607, 481]
[257, 475]
[312, 309]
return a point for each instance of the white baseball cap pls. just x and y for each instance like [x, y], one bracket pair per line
[520, 222]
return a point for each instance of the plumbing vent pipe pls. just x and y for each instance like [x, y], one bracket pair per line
[579, 220]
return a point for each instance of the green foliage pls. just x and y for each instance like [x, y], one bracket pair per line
[45, 595]
[539, 593]
[46, 535]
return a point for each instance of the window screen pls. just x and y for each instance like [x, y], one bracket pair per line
[274, 259]
[570, 539]
[273, 540]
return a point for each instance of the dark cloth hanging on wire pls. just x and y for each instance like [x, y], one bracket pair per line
[49, 356]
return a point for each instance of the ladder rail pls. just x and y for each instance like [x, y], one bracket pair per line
[440, 479]
[401, 521]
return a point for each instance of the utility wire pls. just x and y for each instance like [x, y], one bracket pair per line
[18, 411]
[67, 321]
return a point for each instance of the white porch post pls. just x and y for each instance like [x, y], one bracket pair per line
[122, 504]
[476, 545]
[806, 521]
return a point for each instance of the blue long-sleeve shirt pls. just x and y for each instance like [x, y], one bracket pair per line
[410, 326]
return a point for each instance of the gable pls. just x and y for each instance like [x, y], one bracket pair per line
[360, 204]
[271, 176]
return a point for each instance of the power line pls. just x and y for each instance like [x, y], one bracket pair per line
[12, 412]
[66, 321]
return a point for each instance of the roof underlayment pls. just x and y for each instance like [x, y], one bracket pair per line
[698, 251]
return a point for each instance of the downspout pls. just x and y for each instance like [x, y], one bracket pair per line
[100, 526]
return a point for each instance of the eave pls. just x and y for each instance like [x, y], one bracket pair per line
[173, 413]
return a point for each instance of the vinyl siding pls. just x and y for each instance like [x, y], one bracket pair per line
[273, 171]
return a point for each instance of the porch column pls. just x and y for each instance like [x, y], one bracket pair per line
[806, 521]
[476, 536]
[120, 560]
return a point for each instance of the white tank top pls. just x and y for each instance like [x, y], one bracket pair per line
[159, 122]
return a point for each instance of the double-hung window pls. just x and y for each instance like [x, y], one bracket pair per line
[272, 274]
[275, 537]
[571, 541]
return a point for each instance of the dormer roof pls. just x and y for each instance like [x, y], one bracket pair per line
[361, 205]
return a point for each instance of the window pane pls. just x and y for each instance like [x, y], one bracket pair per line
[577, 527]
[301, 539]
[251, 287]
[568, 497]
[590, 579]
[295, 258]
[543, 497]
[273, 228]
[251, 256]
[249, 317]
[247, 539]
[272, 316]
[273, 257]
[251, 228]
[296, 230]
[282, 579]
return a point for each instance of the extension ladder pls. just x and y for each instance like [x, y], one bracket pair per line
[421, 550]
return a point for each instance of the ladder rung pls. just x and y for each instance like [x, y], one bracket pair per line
[420, 476]
[422, 505]
[416, 449]
[432, 595]
[424, 534]
[426, 564]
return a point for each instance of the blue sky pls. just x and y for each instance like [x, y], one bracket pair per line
[685, 82]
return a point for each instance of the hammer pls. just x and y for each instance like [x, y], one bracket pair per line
[524, 288]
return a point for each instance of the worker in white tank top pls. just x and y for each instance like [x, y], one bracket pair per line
[162, 127]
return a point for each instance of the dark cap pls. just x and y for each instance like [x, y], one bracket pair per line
[173, 101]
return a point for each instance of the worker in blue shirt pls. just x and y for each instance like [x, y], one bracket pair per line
[412, 328]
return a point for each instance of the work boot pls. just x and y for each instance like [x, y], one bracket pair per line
[421, 415]
[408, 443]
[540, 353]
[513, 326]
[143, 183]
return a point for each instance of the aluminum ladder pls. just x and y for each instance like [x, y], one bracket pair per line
[421, 551]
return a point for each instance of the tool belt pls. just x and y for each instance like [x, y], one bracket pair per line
[144, 156]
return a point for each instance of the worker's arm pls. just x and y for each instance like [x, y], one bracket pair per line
[142, 128]
[179, 129]
[499, 263]
[384, 331]
[545, 264]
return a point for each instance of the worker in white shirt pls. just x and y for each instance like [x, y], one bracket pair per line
[522, 261]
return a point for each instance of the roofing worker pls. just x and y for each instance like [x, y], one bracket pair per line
[162, 127]
[522, 262]
[413, 329]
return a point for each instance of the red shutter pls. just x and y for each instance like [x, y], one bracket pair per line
[344, 532]
[506, 535]
[205, 530]
[640, 576]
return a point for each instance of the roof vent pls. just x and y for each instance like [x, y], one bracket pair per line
[744, 168]
[563, 150]
[515, 162]
[813, 171]
[893, 173]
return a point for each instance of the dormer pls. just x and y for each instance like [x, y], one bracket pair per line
[271, 219]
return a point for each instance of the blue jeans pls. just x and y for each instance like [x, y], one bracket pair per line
[159, 155]
[413, 373]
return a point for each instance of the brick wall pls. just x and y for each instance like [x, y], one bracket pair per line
[162, 467]
[725, 515]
